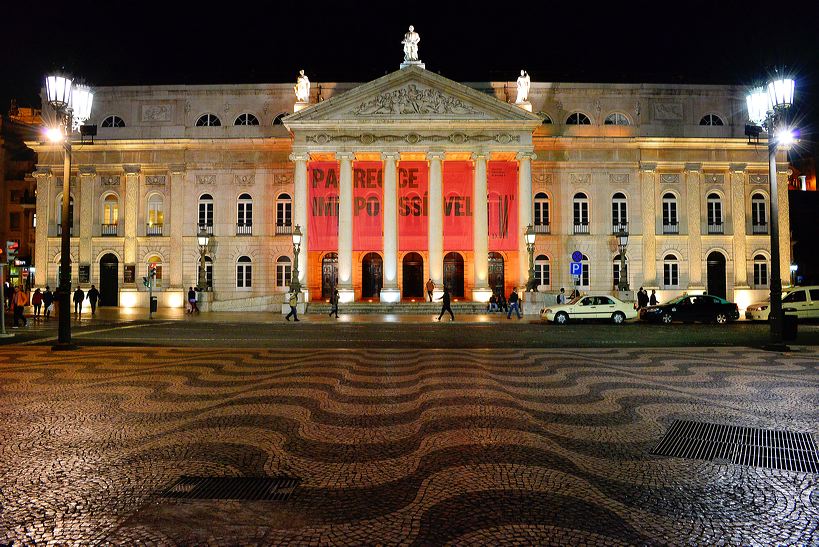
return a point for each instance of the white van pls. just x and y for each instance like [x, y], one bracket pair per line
[801, 301]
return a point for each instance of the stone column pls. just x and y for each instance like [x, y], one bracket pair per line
[480, 231]
[45, 202]
[693, 179]
[130, 225]
[737, 172]
[176, 216]
[524, 213]
[300, 215]
[784, 223]
[436, 221]
[390, 291]
[345, 227]
[648, 197]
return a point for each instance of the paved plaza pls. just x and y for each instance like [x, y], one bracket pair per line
[398, 447]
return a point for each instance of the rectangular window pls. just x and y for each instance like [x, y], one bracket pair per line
[671, 274]
[206, 213]
[618, 213]
[761, 274]
[541, 213]
[284, 215]
[283, 274]
[669, 213]
[615, 270]
[714, 212]
[243, 276]
[245, 217]
[758, 213]
[542, 274]
[584, 278]
[581, 212]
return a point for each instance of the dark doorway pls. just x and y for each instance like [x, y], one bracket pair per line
[454, 274]
[716, 275]
[413, 275]
[329, 275]
[496, 273]
[109, 280]
[372, 268]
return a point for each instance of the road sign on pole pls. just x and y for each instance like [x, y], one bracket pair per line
[577, 256]
[576, 269]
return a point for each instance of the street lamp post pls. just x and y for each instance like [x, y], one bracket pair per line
[203, 239]
[767, 107]
[622, 243]
[529, 236]
[72, 105]
[295, 286]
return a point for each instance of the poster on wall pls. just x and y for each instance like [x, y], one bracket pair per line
[322, 213]
[413, 205]
[458, 206]
[368, 215]
[502, 194]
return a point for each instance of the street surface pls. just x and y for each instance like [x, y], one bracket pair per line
[409, 446]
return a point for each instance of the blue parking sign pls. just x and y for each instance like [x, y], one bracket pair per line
[576, 268]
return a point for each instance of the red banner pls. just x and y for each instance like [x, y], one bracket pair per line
[458, 208]
[368, 213]
[322, 221]
[413, 205]
[502, 190]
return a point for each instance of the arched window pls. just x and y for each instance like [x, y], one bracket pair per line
[155, 217]
[759, 214]
[615, 271]
[714, 206]
[278, 119]
[59, 210]
[284, 214]
[584, 281]
[283, 272]
[580, 205]
[578, 118]
[208, 271]
[244, 273]
[208, 120]
[113, 121]
[110, 215]
[671, 272]
[155, 261]
[244, 215]
[619, 213]
[616, 118]
[246, 119]
[711, 119]
[206, 213]
[671, 223]
[542, 272]
[760, 271]
[547, 120]
[541, 216]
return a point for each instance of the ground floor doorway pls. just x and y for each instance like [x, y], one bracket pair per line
[413, 276]
[329, 275]
[496, 273]
[109, 280]
[372, 277]
[716, 275]
[454, 274]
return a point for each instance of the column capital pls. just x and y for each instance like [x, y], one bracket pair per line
[526, 155]
[480, 154]
[41, 171]
[395, 156]
[177, 168]
[131, 169]
[344, 155]
[737, 167]
[648, 167]
[693, 167]
[87, 170]
[436, 155]
[299, 156]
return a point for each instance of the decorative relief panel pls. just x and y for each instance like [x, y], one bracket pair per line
[72, 181]
[668, 111]
[244, 179]
[758, 179]
[580, 178]
[713, 178]
[412, 101]
[618, 178]
[156, 180]
[283, 178]
[670, 178]
[542, 177]
[110, 180]
[205, 179]
[156, 112]
[413, 138]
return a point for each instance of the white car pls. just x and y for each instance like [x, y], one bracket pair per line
[590, 306]
[800, 301]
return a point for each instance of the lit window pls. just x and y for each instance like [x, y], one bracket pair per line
[616, 119]
[110, 210]
[711, 119]
[208, 120]
[578, 118]
[246, 119]
[113, 121]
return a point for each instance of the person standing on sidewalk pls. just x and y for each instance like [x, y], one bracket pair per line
[561, 298]
[294, 302]
[18, 304]
[446, 307]
[192, 307]
[430, 288]
[513, 304]
[653, 299]
[48, 302]
[93, 296]
[79, 296]
[334, 303]
[37, 302]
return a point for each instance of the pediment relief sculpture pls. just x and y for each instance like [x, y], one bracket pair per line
[414, 101]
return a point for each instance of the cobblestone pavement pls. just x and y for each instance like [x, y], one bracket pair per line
[398, 447]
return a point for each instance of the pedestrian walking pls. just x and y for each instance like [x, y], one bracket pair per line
[430, 288]
[502, 307]
[334, 303]
[18, 304]
[561, 297]
[514, 301]
[446, 304]
[642, 298]
[192, 306]
[48, 302]
[293, 301]
[79, 296]
[93, 296]
[37, 302]
[653, 299]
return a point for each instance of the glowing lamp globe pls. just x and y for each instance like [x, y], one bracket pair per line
[781, 92]
[529, 235]
[58, 90]
[297, 236]
[81, 100]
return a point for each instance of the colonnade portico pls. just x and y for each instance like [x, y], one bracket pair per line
[391, 292]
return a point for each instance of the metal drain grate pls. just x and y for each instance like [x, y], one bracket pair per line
[233, 488]
[788, 450]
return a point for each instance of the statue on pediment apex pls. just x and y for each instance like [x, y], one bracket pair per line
[524, 82]
[302, 88]
[410, 41]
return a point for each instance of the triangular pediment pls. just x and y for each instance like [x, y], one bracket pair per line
[410, 95]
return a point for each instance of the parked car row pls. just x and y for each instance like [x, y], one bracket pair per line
[800, 301]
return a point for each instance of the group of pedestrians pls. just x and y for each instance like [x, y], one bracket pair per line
[643, 299]
[45, 302]
[499, 303]
[93, 296]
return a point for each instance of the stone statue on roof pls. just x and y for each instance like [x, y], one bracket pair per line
[524, 82]
[302, 88]
[410, 41]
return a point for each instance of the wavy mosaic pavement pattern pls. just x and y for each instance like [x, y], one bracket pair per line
[397, 447]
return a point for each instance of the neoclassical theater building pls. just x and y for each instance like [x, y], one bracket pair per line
[411, 177]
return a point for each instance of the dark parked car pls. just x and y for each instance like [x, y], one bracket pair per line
[700, 307]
